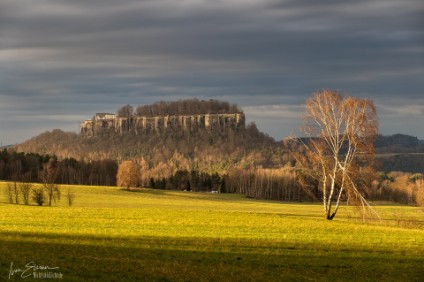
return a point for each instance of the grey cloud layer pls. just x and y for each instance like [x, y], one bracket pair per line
[76, 57]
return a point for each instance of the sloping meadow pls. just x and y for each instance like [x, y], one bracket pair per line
[111, 234]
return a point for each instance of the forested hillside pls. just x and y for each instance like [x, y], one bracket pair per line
[203, 149]
[399, 143]
[227, 159]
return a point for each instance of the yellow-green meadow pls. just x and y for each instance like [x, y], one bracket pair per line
[111, 234]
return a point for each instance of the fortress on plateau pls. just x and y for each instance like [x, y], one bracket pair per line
[184, 115]
[104, 123]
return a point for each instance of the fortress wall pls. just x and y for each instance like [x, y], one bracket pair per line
[137, 124]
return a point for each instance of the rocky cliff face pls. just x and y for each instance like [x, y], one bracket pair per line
[106, 123]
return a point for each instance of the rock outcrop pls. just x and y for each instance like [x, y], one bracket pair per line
[106, 123]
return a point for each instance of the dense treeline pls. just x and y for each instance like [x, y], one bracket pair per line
[285, 183]
[413, 163]
[276, 184]
[28, 167]
[265, 183]
[185, 107]
[400, 187]
[282, 183]
[189, 181]
[260, 183]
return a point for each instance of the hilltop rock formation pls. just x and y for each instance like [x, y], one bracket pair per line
[104, 123]
[184, 115]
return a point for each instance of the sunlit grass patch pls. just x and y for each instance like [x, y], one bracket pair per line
[114, 234]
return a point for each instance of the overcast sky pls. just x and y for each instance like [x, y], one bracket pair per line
[63, 60]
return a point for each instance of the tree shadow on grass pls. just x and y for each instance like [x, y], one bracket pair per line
[95, 258]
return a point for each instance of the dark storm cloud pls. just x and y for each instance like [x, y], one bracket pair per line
[68, 59]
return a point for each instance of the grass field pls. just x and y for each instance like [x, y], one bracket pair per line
[150, 235]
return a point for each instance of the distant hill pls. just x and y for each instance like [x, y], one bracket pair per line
[215, 140]
[399, 143]
[400, 152]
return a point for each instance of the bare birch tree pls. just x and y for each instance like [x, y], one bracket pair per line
[338, 150]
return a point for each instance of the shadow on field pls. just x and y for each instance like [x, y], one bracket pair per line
[90, 258]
